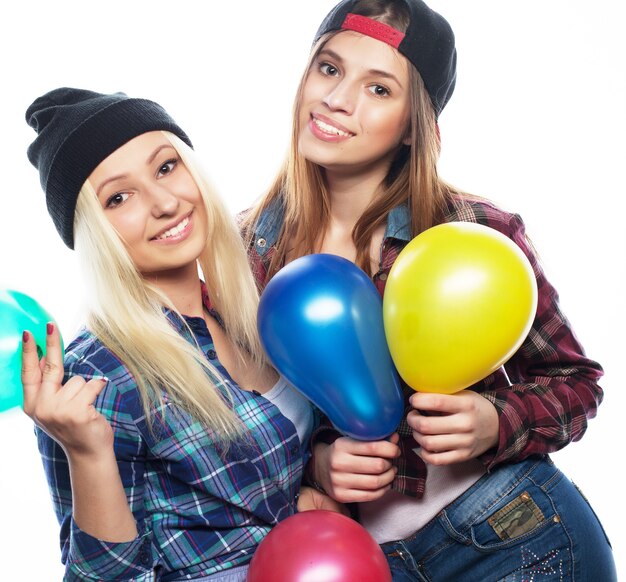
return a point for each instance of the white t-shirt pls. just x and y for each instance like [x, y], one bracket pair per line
[395, 516]
[294, 406]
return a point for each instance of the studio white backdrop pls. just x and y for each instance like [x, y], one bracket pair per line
[537, 124]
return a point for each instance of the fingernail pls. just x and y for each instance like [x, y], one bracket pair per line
[50, 328]
[25, 337]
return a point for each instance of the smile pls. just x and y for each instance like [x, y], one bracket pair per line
[175, 230]
[327, 128]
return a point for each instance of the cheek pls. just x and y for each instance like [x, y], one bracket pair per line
[186, 189]
[128, 225]
[390, 128]
[314, 91]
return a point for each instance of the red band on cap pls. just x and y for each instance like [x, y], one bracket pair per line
[373, 28]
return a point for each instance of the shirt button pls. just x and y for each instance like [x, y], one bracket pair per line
[144, 557]
[294, 450]
[261, 242]
[383, 276]
[211, 354]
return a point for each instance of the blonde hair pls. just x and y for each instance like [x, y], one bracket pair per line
[126, 312]
[413, 178]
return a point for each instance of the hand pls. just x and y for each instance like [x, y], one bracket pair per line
[353, 471]
[66, 412]
[460, 426]
[313, 499]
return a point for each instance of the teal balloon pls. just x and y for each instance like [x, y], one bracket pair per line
[18, 312]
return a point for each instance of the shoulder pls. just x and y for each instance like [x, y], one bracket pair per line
[88, 357]
[242, 219]
[482, 211]
[120, 400]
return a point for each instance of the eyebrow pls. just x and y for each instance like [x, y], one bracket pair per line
[373, 72]
[150, 159]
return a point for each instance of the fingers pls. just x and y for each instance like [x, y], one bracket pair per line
[359, 488]
[88, 391]
[383, 449]
[447, 458]
[459, 422]
[361, 471]
[52, 374]
[432, 402]
[41, 379]
[364, 482]
[31, 375]
[46, 374]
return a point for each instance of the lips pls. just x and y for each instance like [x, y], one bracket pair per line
[328, 129]
[175, 230]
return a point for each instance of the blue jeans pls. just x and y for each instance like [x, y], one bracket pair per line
[524, 522]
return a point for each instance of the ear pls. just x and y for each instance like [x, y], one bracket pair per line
[406, 140]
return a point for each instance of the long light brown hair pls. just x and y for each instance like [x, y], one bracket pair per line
[412, 179]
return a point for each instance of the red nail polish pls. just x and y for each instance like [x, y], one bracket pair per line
[25, 337]
[50, 328]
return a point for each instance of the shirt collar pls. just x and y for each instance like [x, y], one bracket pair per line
[193, 322]
[399, 223]
[268, 226]
[271, 220]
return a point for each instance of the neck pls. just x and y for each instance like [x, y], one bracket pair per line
[351, 194]
[182, 287]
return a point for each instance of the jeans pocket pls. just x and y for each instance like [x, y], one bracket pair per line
[519, 518]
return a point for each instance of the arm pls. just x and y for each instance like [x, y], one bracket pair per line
[541, 403]
[554, 389]
[66, 412]
[76, 443]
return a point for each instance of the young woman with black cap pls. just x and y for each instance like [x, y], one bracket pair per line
[172, 448]
[465, 490]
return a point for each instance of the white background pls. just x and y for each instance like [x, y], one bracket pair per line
[537, 124]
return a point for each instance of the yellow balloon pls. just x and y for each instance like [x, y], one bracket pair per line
[459, 301]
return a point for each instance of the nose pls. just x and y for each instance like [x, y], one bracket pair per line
[341, 96]
[162, 201]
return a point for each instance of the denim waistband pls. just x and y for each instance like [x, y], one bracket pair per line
[488, 491]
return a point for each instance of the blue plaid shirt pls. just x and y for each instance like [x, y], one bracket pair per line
[198, 511]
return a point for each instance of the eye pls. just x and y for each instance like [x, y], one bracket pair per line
[117, 199]
[379, 90]
[328, 69]
[167, 167]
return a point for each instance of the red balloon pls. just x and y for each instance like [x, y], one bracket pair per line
[319, 546]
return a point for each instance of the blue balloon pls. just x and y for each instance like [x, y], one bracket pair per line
[321, 324]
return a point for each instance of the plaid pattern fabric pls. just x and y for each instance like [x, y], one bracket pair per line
[544, 394]
[198, 509]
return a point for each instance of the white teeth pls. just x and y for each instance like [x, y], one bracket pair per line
[175, 230]
[330, 128]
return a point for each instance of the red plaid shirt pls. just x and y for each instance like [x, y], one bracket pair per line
[544, 394]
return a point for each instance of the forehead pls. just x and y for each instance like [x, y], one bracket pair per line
[362, 51]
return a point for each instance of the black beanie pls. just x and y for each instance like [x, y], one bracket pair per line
[428, 44]
[77, 129]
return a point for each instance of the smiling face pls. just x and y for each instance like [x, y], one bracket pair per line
[154, 204]
[354, 108]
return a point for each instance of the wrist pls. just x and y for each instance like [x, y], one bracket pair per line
[311, 473]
